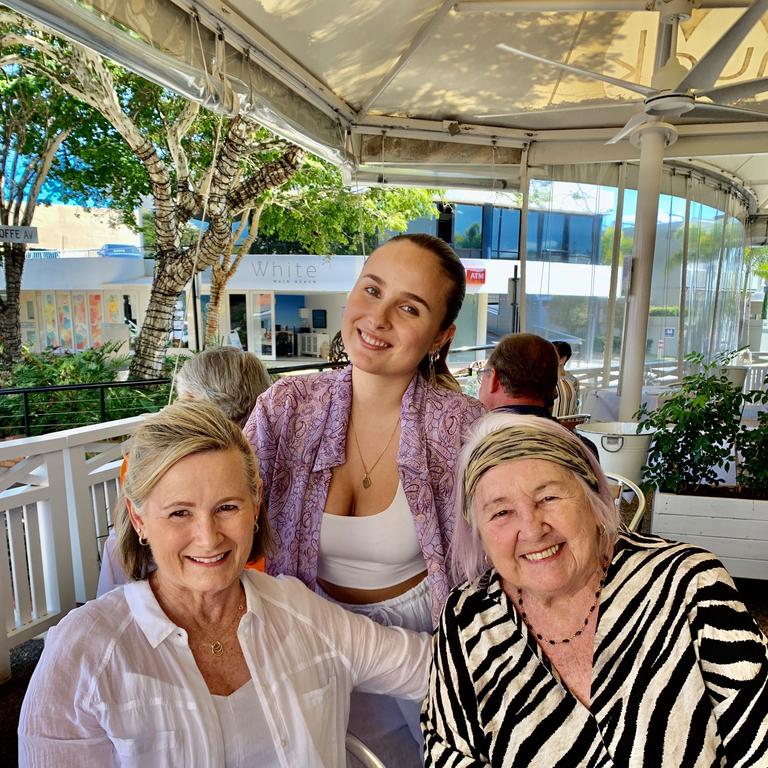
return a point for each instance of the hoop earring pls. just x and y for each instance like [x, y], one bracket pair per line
[142, 539]
[256, 527]
[433, 356]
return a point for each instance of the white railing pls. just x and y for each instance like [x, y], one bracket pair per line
[56, 504]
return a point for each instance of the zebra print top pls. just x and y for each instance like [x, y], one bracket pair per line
[679, 676]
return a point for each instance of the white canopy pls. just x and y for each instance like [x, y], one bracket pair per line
[407, 91]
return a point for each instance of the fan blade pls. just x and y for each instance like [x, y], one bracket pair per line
[635, 87]
[704, 74]
[557, 111]
[720, 112]
[632, 123]
[727, 94]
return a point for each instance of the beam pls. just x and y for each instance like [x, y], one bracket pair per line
[579, 6]
[419, 39]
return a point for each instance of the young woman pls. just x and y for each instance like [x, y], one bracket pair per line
[358, 465]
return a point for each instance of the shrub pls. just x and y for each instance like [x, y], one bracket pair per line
[52, 411]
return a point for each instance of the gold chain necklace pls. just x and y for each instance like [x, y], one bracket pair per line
[217, 647]
[581, 628]
[367, 476]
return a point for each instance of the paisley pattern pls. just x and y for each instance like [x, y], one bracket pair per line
[298, 430]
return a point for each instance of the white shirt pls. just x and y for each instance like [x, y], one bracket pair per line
[117, 684]
[244, 729]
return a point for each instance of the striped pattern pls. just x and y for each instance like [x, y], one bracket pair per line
[567, 400]
[680, 674]
[522, 441]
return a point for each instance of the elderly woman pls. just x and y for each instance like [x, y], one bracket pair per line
[226, 376]
[574, 642]
[197, 662]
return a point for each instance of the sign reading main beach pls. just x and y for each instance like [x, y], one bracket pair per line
[18, 234]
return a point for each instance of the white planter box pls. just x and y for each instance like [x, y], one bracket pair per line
[736, 530]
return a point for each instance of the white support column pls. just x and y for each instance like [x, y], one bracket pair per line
[684, 284]
[525, 187]
[653, 137]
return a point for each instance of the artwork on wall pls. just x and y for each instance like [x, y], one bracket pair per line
[65, 319]
[48, 302]
[113, 307]
[95, 318]
[80, 320]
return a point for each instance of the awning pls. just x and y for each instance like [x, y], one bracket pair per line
[417, 92]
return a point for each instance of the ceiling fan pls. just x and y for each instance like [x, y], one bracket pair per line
[676, 91]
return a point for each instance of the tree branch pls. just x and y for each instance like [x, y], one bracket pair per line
[45, 162]
[269, 176]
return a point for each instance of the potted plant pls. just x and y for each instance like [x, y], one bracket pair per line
[709, 466]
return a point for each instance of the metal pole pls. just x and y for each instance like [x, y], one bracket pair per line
[102, 405]
[615, 253]
[713, 322]
[27, 424]
[653, 137]
[194, 313]
[525, 184]
[683, 284]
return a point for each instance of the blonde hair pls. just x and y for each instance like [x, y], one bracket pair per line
[227, 377]
[163, 439]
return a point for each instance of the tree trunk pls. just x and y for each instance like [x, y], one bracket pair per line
[10, 324]
[170, 278]
[218, 282]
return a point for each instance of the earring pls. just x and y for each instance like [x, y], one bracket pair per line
[256, 526]
[142, 540]
[433, 356]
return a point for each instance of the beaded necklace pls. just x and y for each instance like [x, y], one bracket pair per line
[581, 628]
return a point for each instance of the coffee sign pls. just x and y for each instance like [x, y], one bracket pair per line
[18, 234]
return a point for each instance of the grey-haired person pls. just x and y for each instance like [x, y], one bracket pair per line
[575, 642]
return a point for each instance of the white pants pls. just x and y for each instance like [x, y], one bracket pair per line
[390, 726]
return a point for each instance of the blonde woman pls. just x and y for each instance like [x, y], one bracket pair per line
[196, 661]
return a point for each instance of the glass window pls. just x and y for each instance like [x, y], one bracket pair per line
[532, 239]
[581, 237]
[506, 233]
[468, 230]
[553, 236]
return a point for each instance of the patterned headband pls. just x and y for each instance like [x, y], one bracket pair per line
[522, 442]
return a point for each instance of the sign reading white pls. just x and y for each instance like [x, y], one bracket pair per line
[18, 234]
[299, 272]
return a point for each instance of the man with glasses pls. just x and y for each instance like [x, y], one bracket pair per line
[521, 377]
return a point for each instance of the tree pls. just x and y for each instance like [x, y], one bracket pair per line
[42, 130]
[195, 163]
[199, 166]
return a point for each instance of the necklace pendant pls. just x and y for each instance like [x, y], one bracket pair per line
[366, 482]
[217, 648]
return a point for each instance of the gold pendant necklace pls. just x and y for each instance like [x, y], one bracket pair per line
[217, 647]
[367, 482]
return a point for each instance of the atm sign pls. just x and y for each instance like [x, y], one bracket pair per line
[475, 276]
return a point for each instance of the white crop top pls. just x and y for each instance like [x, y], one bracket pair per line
[370, 552]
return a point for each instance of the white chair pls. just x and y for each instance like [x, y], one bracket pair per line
[362, 753]
[624, 485]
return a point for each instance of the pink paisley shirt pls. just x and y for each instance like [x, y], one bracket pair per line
[298, 430]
